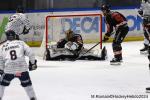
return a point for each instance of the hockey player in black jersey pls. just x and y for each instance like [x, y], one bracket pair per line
[118, 21]
[71, 48]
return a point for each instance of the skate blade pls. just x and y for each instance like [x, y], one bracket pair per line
[147, 91]
[144, 52]
[116, 63]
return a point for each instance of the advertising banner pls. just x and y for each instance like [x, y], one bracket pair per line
[37, 19]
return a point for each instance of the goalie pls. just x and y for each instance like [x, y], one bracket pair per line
[71, 48]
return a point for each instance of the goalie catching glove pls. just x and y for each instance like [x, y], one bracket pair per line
[71, 46]
[32, 66]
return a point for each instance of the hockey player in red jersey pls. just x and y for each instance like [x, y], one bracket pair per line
[118, 21]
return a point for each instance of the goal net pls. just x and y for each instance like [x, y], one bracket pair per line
[89, 26]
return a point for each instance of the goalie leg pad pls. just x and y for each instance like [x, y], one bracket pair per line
[47, 55]
[6, 79]
[60, 54]
[25, 79]
[92, 56]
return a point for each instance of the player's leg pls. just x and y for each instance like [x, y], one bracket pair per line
[144, 50]
[27, 84]
[146, 23]
[5, 81]
[148, 88]
[116, 45]
[117, 49]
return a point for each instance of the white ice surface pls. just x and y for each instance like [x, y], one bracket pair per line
[78, 80]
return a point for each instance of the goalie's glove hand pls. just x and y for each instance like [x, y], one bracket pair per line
[105, 38]
[25, 30]
[71, 46]
[74, 46]
[32, 66]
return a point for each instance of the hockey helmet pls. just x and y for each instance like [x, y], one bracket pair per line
[147, 1]
[105, 7]
[10, 35]
[20, 9]
[69, 34]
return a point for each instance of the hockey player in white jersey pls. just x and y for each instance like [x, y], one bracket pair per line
[145, 13]
[19, 23]
[13, 64]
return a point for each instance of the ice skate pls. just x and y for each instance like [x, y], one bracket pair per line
[33, 98]
[144, 50]
[148, 90]
[115, 61]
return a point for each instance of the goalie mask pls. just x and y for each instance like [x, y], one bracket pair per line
[69, 34]
[10, 35]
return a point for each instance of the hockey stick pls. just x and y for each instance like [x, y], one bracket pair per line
[3, 42]
[87, 51]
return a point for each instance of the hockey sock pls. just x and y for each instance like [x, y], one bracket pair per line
[2, 88]
[118, 56]
[30, 92]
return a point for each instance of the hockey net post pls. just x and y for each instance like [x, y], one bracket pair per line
[88, 25]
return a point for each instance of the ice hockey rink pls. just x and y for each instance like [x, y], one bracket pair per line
[83, 80]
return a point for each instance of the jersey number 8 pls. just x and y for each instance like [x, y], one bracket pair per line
[13, 55]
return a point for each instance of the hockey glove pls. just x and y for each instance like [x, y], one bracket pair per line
[68, 45]
[74, 46]
[1, 72]
[71, 46]
[140, 12]
[25, 30]
[105, 38]
[32, 66]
